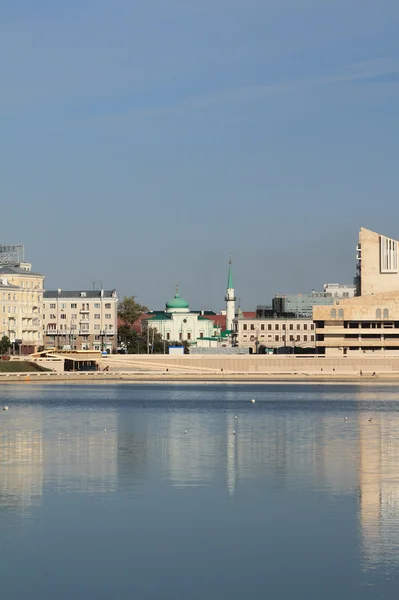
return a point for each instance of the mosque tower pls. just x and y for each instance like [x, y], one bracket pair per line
[230, 300]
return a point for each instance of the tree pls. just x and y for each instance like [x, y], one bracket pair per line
[5, 344]
[129, 311]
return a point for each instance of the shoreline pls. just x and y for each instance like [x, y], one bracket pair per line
[101, 378]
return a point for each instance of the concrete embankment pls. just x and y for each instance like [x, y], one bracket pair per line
[225, 369]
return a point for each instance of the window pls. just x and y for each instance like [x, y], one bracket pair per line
[63, 316]
[277, 327]
[96, 305]
[63, 305]
[97, 315]
[108, 306]
[52, 305]
[291, 338]
[378, 313]
[168, 336]
[252, 326]
[298, 338]
[291, 327]
[283, 326]
[262, 327]
[53, 317]
[276, 338]
[201, 334]
[74, 306]
[97, 337]
[333, 313]
[96, 327]
[298, 327]
[312, 326]
[305, 326]
[305, 338]
[189, 336]
[312, 338]
[244, 327]
[108, 316]
[269, 327]
[388, 255]
[74, 317]
[386, 313]
[340, 313]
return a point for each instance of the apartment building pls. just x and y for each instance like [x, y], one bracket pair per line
[265, 335]
[21, 297]
[80, 320]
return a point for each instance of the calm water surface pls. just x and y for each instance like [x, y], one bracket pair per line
[103, 495]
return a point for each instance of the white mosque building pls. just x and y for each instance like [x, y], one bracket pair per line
[178, 324]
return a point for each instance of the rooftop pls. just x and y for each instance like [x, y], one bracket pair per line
[51, 294]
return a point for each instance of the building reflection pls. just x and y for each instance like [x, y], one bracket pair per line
[74, 454]
[22, 458]
[379, 488]
[81, 456]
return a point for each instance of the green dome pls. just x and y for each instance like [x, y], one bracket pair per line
[177, 302]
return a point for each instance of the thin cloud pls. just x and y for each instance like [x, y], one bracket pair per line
[365, 71]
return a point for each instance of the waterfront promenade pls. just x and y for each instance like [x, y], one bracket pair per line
[240, 369]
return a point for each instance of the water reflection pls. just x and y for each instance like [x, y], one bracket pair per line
[21, 459]
[333, 443]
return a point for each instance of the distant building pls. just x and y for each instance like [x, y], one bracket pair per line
[300, 305]
[369, 322]
[337, 290]
[21, 298]
[80, 320]
[274, 334]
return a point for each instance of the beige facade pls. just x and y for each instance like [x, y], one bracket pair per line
[80, 320]
[377, 263]
[21, 300]
[368, 323]
[265, 334]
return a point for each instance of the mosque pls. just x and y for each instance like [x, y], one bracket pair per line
[178, 323]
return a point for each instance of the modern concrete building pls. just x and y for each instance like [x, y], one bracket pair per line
[80, 320]
[368, 323]
[21, 298]
[272, 335]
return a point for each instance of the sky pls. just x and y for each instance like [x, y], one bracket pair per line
[142, 143]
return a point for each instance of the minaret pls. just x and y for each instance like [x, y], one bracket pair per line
[230, 300]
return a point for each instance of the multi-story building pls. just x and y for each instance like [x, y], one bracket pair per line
[272, 335]
[21, 298]
[80, 320]
[301, 305]
[369, 322]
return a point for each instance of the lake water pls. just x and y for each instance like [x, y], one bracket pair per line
[103, 495]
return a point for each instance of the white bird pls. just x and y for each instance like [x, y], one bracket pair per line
[5, 407]
[346, 418]
[236, 417]
[185, 432]
[105, 431]
[234, 431]
[253, 400]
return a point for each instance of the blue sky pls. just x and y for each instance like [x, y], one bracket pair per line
[143, 142]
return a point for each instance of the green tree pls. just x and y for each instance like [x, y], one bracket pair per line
[5, 344]
[130, 311]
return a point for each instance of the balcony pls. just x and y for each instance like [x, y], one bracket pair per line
[84, 311]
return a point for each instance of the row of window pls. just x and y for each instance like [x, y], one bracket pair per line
[84, 306]
[75, 316]
[73, 327]
[378, 313]
[26, 297]
[291, 327]
[282, 338]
